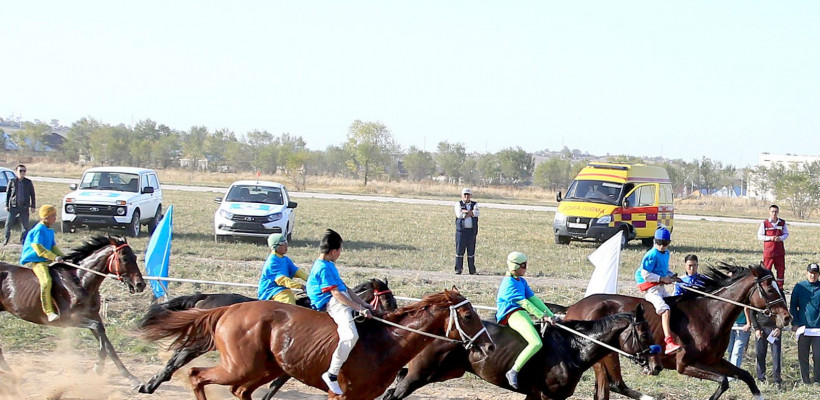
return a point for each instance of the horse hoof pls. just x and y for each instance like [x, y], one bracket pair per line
[759, 397]
[98, 369]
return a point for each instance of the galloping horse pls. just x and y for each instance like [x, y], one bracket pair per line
[553, 373]
[259, 341]
[76, 293]
[702, 324]
[374, 291]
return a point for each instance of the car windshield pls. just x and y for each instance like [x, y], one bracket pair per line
[111, 181]
[595, 192]
[255, 194]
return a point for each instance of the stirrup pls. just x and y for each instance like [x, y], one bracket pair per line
[52, 317]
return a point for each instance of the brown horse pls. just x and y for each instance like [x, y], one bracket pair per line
[76, 292]
[374, 291]
[260, 341]
[703, 325]
[553, 373]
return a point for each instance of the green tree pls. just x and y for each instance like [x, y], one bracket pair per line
[799, 186]
[516, 165]
[371, 146]
[450, 158]
[419, 164]
[554, 174]
[488, 167]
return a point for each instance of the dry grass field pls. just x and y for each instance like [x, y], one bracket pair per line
[412, 246]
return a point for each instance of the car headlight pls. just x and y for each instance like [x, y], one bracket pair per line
[560, 218]
[121, 211]
[225, 213]
[274, 217]
[69, 208]
[605, 219]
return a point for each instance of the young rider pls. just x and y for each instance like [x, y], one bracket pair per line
[515, 302]
[278, 272]
[652, 275]
[327, 291]
[39, 250]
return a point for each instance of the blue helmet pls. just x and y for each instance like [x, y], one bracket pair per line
[663, 234]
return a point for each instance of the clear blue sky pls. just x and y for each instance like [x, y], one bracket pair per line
[722, 79]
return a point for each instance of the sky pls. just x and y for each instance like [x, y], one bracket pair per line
[725, 80]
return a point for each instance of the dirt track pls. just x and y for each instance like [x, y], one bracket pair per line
[64, 375]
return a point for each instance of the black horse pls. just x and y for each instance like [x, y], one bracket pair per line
[552, 373]
[374, 291]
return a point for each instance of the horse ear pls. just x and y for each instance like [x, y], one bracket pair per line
[447, 294]
[385, 281]
[639, 312]
[454, 289]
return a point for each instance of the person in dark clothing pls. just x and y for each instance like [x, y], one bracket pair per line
[466, 211]
[765, 328]
[19, 200]
[805, 307]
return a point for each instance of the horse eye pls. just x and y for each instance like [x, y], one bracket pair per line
[468, 315]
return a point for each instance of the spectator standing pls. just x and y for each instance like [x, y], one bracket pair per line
[466, 211]
[773, 232]
[767, 334]
[19, 200]
[692, 278]
[805, 308]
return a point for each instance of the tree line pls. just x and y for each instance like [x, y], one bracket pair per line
[370, 152]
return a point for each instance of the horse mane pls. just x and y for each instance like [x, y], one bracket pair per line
[590, 327]
[90, 246]
[432, 299]
[718, 277]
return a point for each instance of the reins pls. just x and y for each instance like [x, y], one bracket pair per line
[453, 320]
[633, 357]
[767, 311]
[113, 263]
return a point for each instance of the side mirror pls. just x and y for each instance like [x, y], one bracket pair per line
[558, 197]
[292, 204]
[626, 203]
[218, 200]
[148, 189]
[72, 186]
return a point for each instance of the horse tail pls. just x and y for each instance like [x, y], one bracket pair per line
[188, 328]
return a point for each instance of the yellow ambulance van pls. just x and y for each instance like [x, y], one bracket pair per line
[609, 197]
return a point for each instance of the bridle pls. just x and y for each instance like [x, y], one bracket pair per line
[114, 264]
[759, 286]
[376, 294]
[640, 357]
[466, 339]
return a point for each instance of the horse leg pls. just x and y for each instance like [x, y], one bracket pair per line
[275, 386]
[611, 379]
[239, 377]
[177, 361]
[718, 373]
[106, 347]
[4, 366]
[100, 364]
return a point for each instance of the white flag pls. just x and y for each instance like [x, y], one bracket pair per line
[606, 260]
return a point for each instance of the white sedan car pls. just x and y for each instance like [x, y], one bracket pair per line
[254, 209]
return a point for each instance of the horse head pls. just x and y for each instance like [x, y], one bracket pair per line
[767, 295]
[383, 298]
[465, 324]
[637, 339]
[110, 256]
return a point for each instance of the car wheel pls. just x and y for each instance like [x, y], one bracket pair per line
[560, 239]
[648, 242]
[66, 227]
[290, 233]
[624, 238]
[134, 227]
[152, 224]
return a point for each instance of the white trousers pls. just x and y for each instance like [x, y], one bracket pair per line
[655, 295]
[348, 335]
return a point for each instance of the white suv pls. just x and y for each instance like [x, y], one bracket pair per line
[115, 197]
[254, 209]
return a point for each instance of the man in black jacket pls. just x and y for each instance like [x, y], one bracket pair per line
[765, 328]
[19, 200]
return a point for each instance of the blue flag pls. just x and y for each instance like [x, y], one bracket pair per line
[158, 254]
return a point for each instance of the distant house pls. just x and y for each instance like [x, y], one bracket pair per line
[9, 144]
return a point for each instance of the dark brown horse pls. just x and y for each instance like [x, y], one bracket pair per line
[374, 291]
[76, 292]
[552, 373]
[703, 325]
[259, 341]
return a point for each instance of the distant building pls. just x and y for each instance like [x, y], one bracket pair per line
[768, 160]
